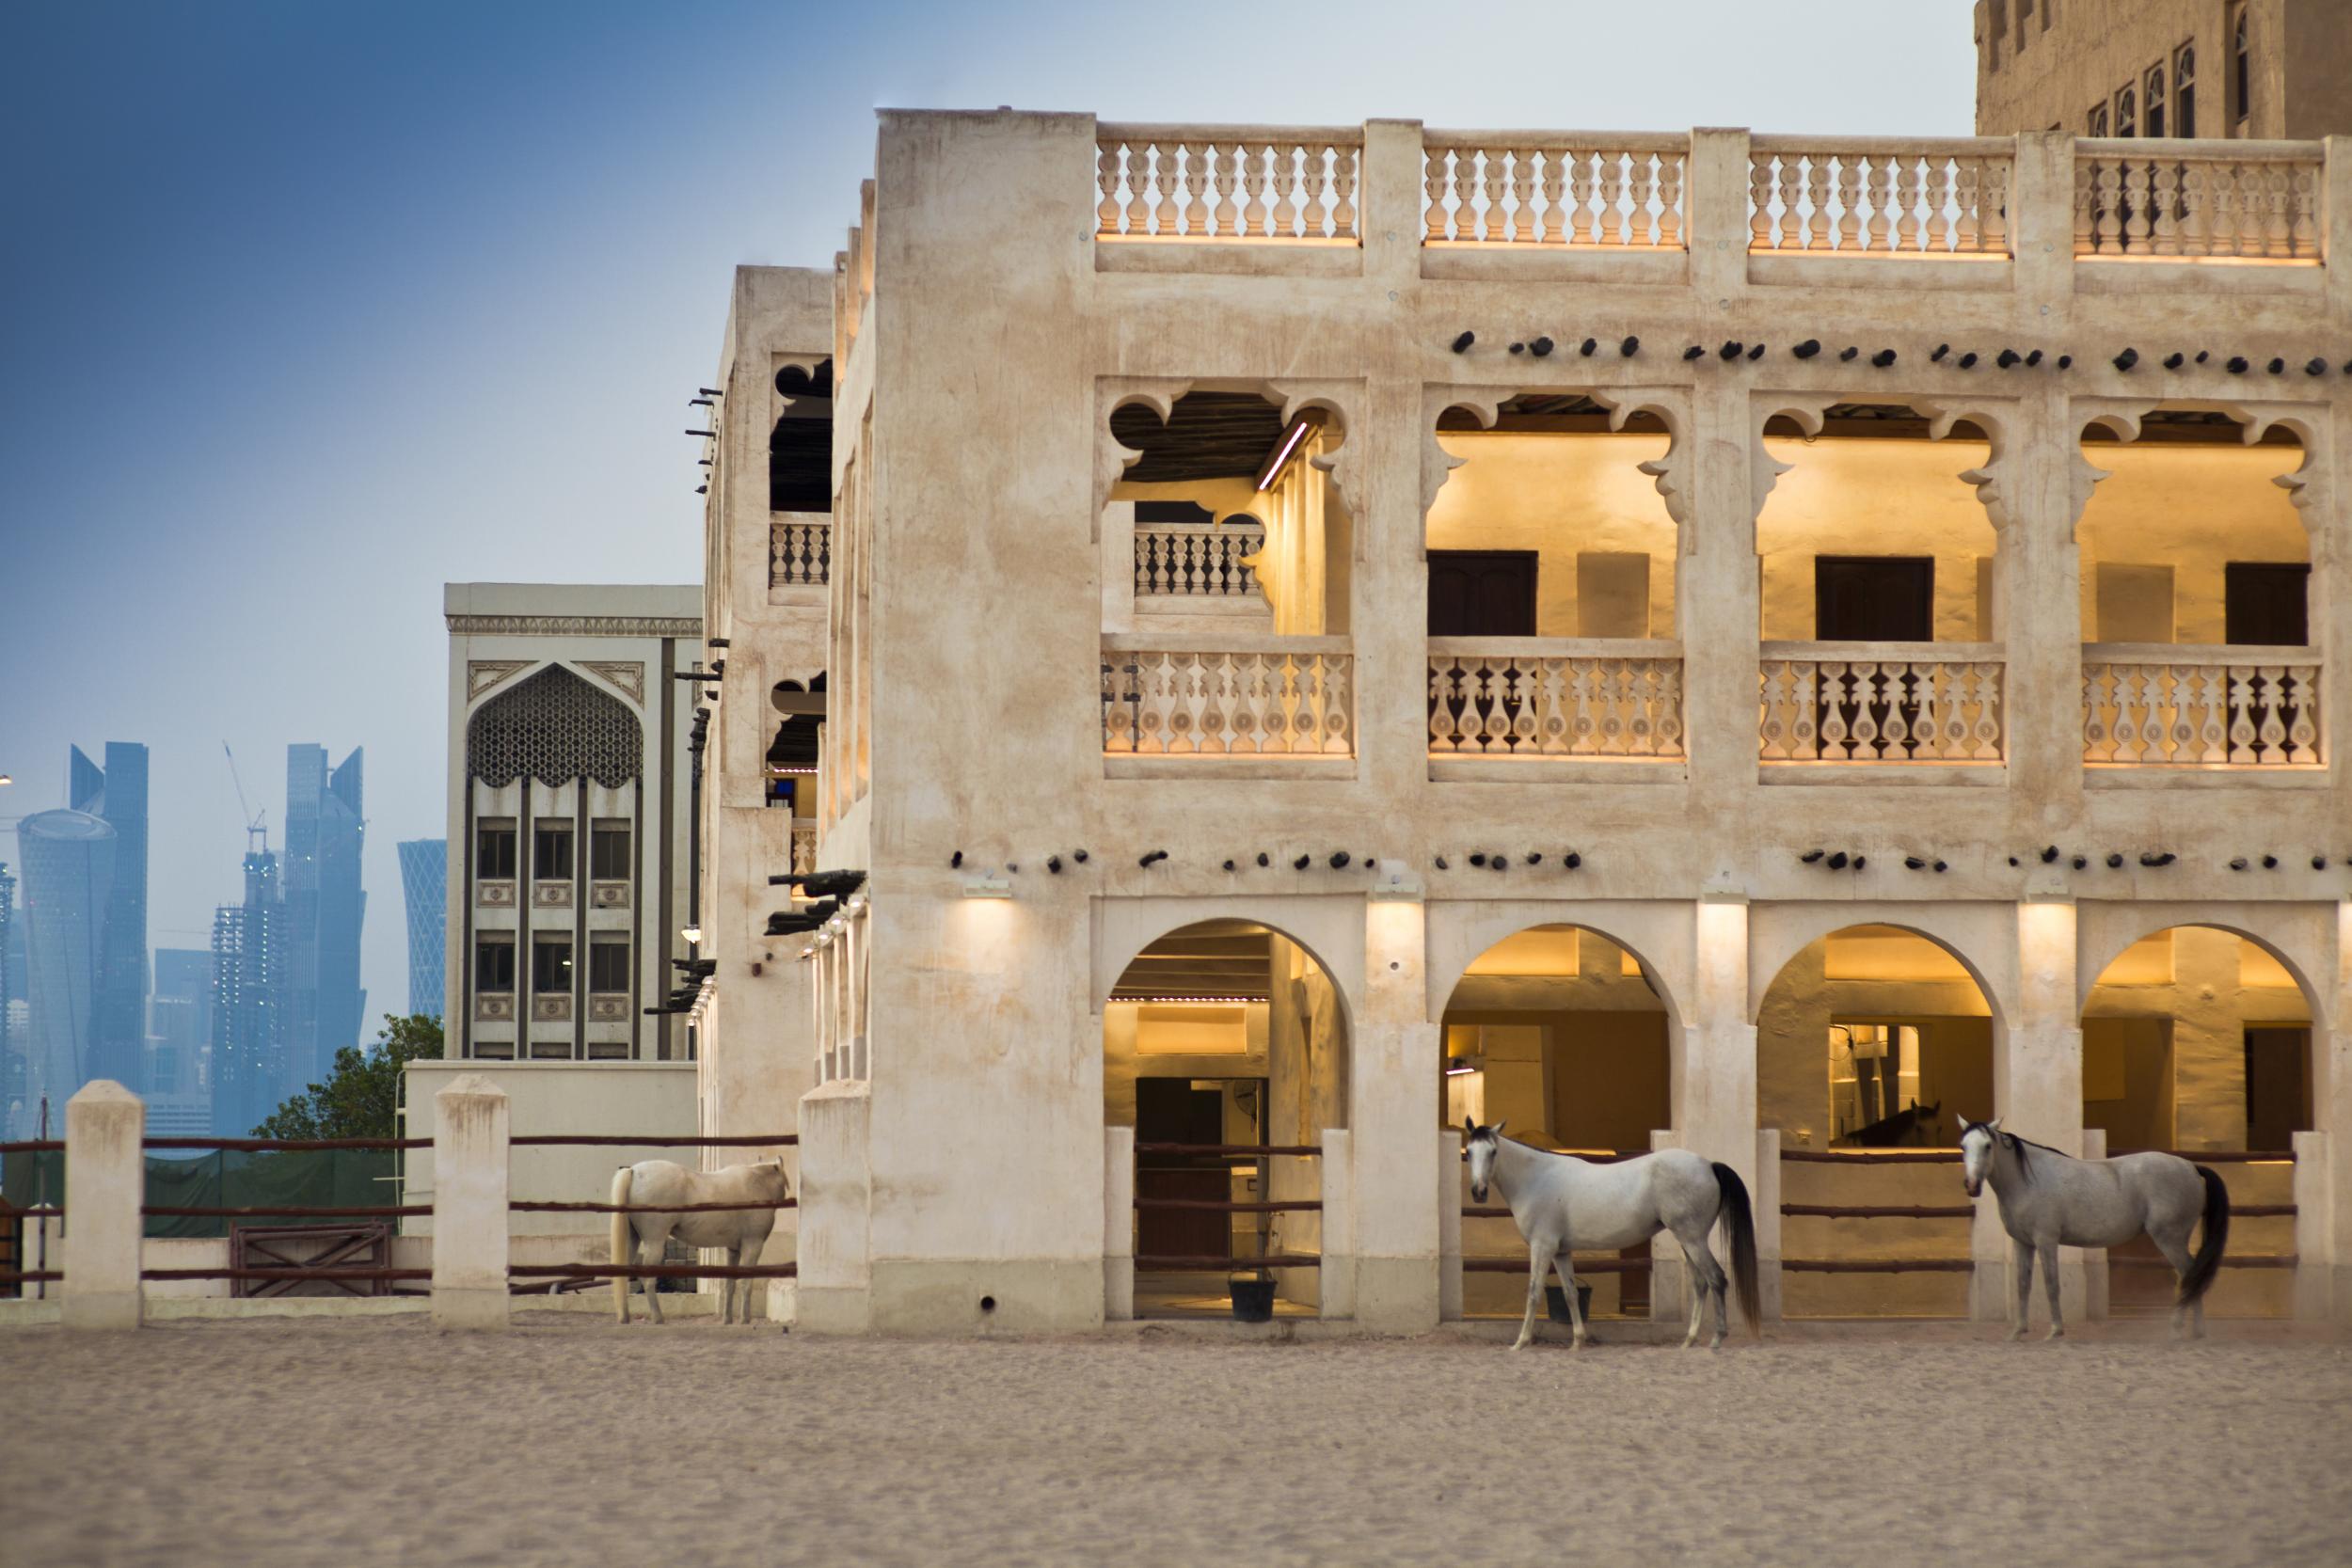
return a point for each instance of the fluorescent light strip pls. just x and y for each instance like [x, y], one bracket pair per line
[1274, 467]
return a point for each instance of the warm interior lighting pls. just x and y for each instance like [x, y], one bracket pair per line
[1274, 464]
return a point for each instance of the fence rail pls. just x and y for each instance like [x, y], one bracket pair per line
[1898, 703]
[1198, 1265]
[1278, 184]
[2158, 706]
[1273, 699]
[1852, 196]
[1524, 188]
[1575, 1265]
[625, 1140]
[1883, 1211]
[2170, 198]
[1528, 697]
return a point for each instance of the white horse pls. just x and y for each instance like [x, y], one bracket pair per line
[1561, 1202]
[2050, 1200]
[742, 1231]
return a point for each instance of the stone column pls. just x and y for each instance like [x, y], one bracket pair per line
[106, 1182]
[1392, 1153]
[2037, 1087]
[2312, 1285]
[470, 1216]
[2090, 1262]
[1336, 1290]
[1766, 1191]
[1713, 1084]
[1449, 1227]
[2331, 1109]
[1119, 1224]
[836, 1287]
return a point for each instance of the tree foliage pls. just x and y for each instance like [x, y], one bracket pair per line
[360, 1097]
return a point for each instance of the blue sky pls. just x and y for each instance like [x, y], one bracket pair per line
[307, 308]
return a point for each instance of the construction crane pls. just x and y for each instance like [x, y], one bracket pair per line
[252, 817]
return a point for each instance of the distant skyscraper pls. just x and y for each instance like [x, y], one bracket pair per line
[326, 1010]
[68, 871]
[117, 793]
[12, 1072]
[425, 883]
[251, 1069]
[179, 1049]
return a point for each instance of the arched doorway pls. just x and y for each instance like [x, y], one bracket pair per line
[1872, 1043]
[1224, 1035]
[2197, 1039]
[1558, 1032]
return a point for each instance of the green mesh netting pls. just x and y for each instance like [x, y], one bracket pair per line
[312, 1178]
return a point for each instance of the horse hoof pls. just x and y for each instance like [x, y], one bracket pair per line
[2055, 1333]
[2015, 1335]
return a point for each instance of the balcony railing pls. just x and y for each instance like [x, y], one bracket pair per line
[1525, 187]
[1851, 196]
[1554, 697]
[803, 847]
[1232, 182]
[799, 554]
[1882, 702]
[1250, 696]
[2164, 705]
[2198, 198]
[1196, 561]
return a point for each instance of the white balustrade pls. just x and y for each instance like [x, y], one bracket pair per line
[799, 553]
[1187, 561]
[2162, 705]
[803, 847]
[1882, 702]
[1227, 182]
[1548, 188]
[2198, 198]
[1253, 696]
[1554, 697]
[1849, 196]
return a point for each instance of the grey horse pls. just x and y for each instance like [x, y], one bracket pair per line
[1560, 1202]
[2049, 1199]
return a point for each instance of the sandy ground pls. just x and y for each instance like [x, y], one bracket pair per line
[568, 1441]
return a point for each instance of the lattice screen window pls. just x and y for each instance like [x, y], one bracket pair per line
[554, 728]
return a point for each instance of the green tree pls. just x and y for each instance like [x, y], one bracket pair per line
[358, 1097]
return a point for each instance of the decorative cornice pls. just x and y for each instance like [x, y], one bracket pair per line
[574, 625]
[483, 673]
[629, 676]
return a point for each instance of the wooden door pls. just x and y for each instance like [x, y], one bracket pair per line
[1874, 599]
[1481, 593]
[1170, 1110]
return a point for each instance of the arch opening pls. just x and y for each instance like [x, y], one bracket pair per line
[1224, 1032]
[799, 443]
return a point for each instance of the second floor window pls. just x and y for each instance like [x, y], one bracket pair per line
[494, 852]
[2153, 86]
[552, 965]
[551, 852]
[607, 853]
[494, 964]
[2184, 91]
[2097, 122]
[2241, 69]
[2126, 114]
[608, 964]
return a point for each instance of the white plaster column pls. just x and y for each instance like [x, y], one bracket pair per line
[835, 1293]
[1335, 1292]
[1449, 1227]
[1766, 1191]
[2037, 1090]
[2313, 1286]
[1713, 1082]
[469, 1219]
[106, 1180]
[2331, 1095]
[1119, 1224]
[2090, 1262]
[1394, 1055]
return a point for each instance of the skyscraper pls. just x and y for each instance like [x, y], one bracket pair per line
[323, 908]
[118, 794]
[12, 1073]
[68, 865]
[250, 1068]
[424, 883]
[179, 1049]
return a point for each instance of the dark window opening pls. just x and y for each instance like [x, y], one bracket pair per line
[799, 448]
[607, 853]
[1182, 512]
[2127, 112]
[2098, 120]
[2278, 1086]
[2152, 86]
[551, 852]
[2241, 69]
[552, 966]
[494, 964]
[795, 743]
[1481, 593]
[1874, 599]
[608, 964]
[494, 853]
[2184, 91]
[2267, 603]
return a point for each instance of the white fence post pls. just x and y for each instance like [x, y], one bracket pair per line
[469, 1187]
[1336, 1290]
[106, 1182]
[1449, 1225]
[1119, 1224]
[1768, 1309]
[2313, 1274]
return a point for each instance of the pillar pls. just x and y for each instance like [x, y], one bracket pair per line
[1119, 1224]
[470, 1216]
[105, 1180]
[2312, 1285]
[1449, 1225]
[1336, 1289]
[2091, 1262]
[1766, 1191]
[836, 1287]
[2331, 1110]
[2037, 1091]
[1713, 1082]
[1393, 1125]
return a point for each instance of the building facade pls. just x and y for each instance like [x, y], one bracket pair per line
[572, 715]
[179, 1073]
[67, 885]
[14, 1073]
[326, 1008]
[424, 891]
[2250, 70]
[1749, 643]
[118, 794]
[253, 1068]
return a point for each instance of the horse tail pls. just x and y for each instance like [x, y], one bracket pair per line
[1739, 1219]
[622, 1239]
[2207, 1264]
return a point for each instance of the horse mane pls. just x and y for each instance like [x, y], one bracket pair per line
[2018, 1146]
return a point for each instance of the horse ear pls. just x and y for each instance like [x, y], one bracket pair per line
[1497, 1129]
[1993, 1126]
[1469, 1129]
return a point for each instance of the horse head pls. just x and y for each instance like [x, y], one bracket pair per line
[1480, 1144]
[1976, 1151]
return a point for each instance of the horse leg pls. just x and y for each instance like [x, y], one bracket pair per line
[2175, 1250]
[1713, 1281]
[654, 1249]
[2050, 1288]
[1538, 1259]
[747, 1252]
[2021, 1278]
[1566, 1266]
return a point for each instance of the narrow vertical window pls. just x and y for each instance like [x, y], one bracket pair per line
[2097, 122]
[1999, 23]
[2127, 112]
[2241, 69]
[2185, 90]
[2025, 9]
[2152, 86]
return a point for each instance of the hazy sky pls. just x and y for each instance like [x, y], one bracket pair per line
[306, 309]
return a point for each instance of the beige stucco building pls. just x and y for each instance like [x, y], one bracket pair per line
[1710, 638]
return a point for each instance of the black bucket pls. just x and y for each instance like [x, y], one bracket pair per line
[1253, 1300]
[1556, 1304]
